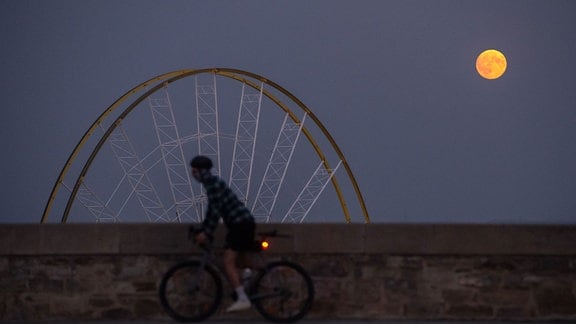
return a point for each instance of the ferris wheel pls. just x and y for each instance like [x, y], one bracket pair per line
[132, 164]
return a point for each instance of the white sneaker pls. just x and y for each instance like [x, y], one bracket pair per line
[240, 304]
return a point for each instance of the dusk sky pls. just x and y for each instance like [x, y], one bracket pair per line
[394, 82]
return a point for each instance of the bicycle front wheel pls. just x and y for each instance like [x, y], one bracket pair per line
[189, 292]
[282, 292]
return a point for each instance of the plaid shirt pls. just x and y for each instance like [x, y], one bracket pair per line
[222, 202]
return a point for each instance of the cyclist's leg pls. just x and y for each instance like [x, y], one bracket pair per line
[239, 241]
[230, 259]
[240, 238]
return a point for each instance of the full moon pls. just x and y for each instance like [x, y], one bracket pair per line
[491, 64]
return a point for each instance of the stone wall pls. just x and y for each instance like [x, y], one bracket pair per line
[366, 271]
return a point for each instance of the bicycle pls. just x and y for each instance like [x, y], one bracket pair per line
[281, 290]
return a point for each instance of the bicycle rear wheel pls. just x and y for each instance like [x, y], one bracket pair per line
[189, 292]
[282, 292]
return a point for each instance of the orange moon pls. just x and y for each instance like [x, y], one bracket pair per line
[491, 64]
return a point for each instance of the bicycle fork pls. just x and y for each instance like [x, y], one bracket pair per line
[194, 286]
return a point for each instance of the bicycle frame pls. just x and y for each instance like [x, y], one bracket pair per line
[271, 288]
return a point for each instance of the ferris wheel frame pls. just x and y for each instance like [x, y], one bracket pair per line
[160, 81]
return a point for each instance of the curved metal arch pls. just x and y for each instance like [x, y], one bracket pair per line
[171, 77]
[91, 130]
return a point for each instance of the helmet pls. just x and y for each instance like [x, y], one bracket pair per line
[201, 162]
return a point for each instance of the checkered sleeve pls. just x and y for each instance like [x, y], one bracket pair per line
[222, 203]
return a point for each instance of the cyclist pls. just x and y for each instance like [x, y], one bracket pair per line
[223, 203]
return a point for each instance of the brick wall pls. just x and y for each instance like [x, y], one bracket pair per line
[367, 271]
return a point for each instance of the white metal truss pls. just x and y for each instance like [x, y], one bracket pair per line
[309, 194]
[276, 170]
[244, 141]
[137, 177]
[173, 156]
[95, 206]
[207, 121]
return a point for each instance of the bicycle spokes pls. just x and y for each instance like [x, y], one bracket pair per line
[190, 292]
[284, 292]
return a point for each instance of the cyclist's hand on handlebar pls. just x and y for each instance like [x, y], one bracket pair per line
[200, 238]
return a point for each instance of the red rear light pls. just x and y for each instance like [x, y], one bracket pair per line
[265, 245]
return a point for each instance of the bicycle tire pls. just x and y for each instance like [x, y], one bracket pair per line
[190, 293]
[282, 292]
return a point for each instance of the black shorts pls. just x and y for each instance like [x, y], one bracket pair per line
[240, 237]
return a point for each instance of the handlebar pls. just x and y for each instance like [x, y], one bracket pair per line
[192, 231]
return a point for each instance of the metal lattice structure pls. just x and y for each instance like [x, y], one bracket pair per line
[276, 169]
[310, 193]
[207, 121]
[172, 155]
[138, 178]
[245, 141]
[144, 175]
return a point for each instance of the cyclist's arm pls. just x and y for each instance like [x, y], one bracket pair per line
[210, 223]
[213, 193]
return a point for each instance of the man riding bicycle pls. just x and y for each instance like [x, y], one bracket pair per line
[223, 203]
